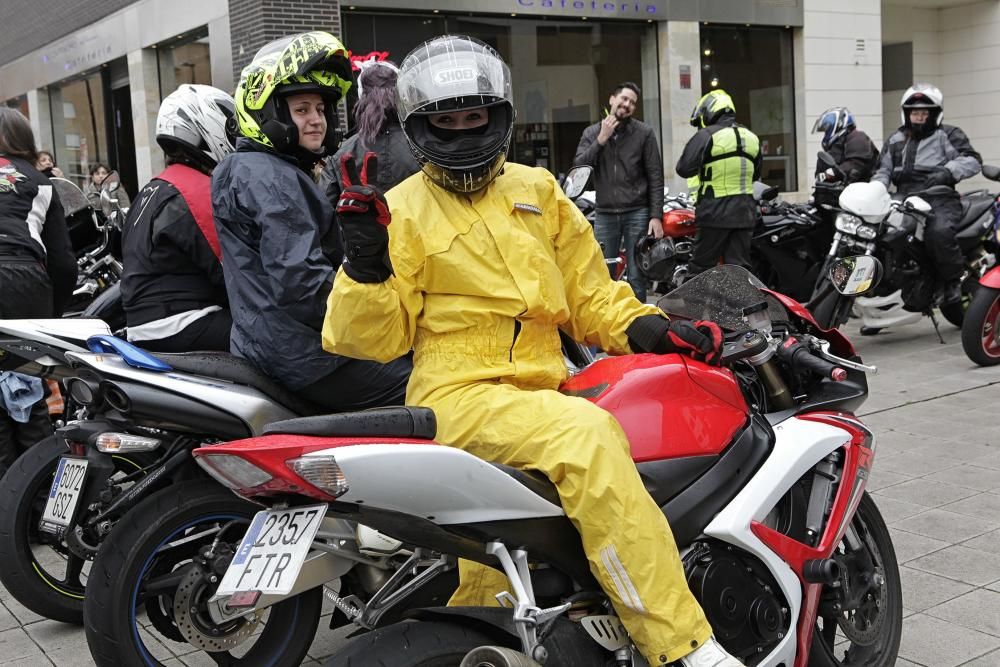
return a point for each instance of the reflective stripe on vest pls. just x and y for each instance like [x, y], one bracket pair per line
[196, 189]
[728, 169]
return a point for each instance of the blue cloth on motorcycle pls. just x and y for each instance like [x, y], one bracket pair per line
[130, 354]
[18, 393]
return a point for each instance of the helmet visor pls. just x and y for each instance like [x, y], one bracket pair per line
[449, 73]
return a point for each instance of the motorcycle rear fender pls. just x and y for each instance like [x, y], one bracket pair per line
[991, 278]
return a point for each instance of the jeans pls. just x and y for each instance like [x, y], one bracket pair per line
[609, 229]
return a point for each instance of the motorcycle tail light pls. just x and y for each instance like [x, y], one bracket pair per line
[116, 443]
[321, 471]
[233, 472]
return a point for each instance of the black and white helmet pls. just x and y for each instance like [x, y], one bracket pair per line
[923, 96]
[197, 121]
[456, 73]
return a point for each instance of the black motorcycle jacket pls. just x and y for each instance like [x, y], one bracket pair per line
[628, 171]
[395, 161]
[169, 266]
[856, 156]
[273, 221]
[33, 226]
[907, 160]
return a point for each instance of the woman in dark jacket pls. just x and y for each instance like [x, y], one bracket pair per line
[276, 227]
[378, 131]
[37, 266]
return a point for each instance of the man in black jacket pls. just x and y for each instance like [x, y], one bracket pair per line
[852, 149]
[725, 156]
[628, 177]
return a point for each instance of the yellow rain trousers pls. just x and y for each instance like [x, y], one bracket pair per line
[482, 283]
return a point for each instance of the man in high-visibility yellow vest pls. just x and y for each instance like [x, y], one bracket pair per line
[725, 158]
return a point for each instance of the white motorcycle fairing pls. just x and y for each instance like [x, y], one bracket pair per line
[60, 334]
[884, 311]
[448, 486]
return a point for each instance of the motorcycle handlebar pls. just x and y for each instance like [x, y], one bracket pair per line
[799, 356]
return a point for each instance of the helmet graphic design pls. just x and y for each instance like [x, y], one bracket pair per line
[922, 96]
[834, 123]
[710, 107]
[194, 120]
[309, 62]
[456, 73]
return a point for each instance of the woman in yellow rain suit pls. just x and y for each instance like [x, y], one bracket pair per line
[487, 263]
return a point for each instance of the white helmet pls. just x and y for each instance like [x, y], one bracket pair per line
[923, 96]
[197, 121]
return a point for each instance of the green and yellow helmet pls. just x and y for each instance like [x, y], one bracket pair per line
[710, 107]
[309, 62]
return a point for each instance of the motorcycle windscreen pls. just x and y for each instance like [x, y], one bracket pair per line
[722, 294]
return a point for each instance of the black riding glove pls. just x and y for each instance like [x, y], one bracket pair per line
[364, 223]
[700, 339]
[940, 176]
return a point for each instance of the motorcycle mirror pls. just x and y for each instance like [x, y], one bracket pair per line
[991, 172]
[576, 181]
[108, 203]
[856, 275]
[72, 198]
[826, 160]
[111, 182]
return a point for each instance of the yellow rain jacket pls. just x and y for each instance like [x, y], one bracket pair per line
[482, 283]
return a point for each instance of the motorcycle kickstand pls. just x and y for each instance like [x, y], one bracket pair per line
[937, 329]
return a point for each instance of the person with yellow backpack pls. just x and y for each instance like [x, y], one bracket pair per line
[725, 158]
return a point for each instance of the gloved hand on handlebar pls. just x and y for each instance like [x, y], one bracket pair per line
[364, 222]
[700, 339]
[940, 176]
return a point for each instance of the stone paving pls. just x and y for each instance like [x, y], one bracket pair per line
[936, 480]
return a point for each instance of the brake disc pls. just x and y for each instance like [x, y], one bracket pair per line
[193, 621]
[864, 624]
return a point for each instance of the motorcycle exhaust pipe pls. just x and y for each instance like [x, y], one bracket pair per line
[824, 571]
[497, 656]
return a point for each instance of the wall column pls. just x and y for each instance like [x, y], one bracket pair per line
[145, 88]
[680, 50]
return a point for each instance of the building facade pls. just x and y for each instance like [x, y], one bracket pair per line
[91, 78]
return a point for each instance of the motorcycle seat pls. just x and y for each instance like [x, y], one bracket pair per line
[395, 421]
[225, 366]
[972, 209]
[662, 479]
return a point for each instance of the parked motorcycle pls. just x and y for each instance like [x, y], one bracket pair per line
[783, 548]
[981, 327]
[870, 222]
[791, 241]
[96, 242]
[136, 418]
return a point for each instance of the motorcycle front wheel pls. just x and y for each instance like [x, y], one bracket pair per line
[981, 328]
[867, 631]
[138, 574]
[39, 569]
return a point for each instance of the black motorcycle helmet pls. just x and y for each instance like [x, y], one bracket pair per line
[656, 258]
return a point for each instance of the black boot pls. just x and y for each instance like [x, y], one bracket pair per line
[952, 292]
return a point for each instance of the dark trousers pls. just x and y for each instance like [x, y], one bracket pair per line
[26, 292]
[711, 244]
[207, 333]
[939, 238]
[359, 385]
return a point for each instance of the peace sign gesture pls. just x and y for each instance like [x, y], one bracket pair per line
[364, 220]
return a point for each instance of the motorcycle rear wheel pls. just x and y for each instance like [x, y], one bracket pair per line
[410, 644]
[880, 618]
[155, 541]
[980, 328]
[28, 570]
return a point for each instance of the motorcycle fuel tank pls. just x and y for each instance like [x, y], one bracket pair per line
[668, 406]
